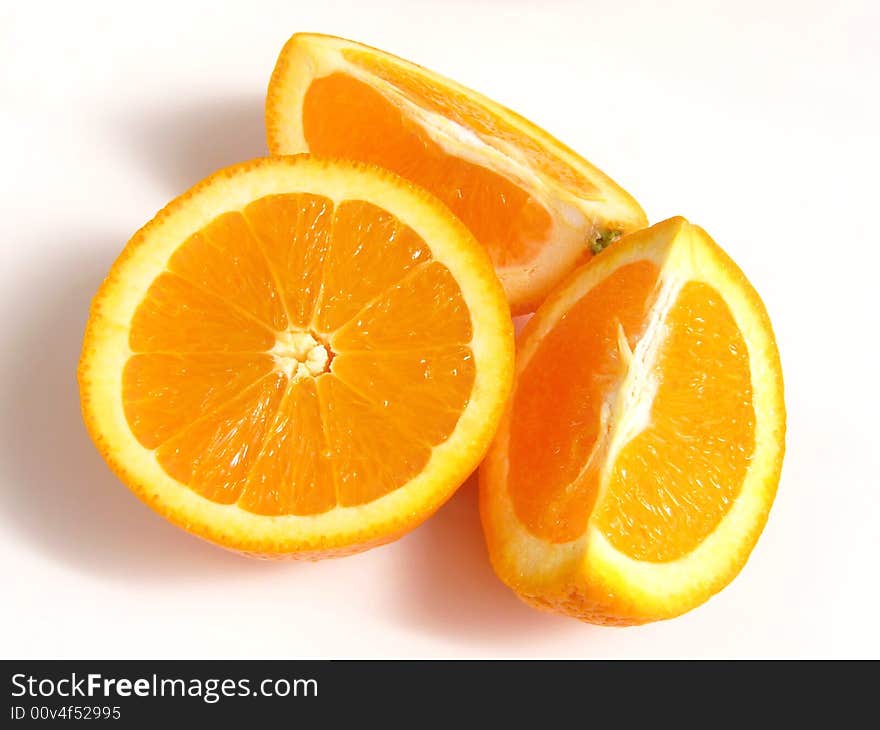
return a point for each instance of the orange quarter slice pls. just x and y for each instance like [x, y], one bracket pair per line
[641, 450]
[538, 208]
[297, 357]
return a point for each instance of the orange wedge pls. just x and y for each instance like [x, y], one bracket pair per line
[641, 450]
[538, 208]
[297, 357]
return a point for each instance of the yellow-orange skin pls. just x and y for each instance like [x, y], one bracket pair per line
[315, 537]
[585, 579]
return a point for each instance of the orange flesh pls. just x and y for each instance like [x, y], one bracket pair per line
[465, 109]
[558, 401]
[674, 481]
[345, 117]
[236, 420]
[672, 484]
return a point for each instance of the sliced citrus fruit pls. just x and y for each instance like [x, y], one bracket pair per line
[297, 357]
[538, 208]
[641, 449]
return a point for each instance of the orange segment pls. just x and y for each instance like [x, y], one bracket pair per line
[555, 453]
[165, 392]
[298, 357]
[214, 455]
[177, 316]
[223, 259]
[398, 320]
[279, 221]
[421, 390]
[641, 451]
[692, 458]
[371, 454]
[537, 207]
[371, 251]
[292, 473]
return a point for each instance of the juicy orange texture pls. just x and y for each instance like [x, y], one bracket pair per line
[672, 483]
[219, 383]
[504, 217]
[554, 460]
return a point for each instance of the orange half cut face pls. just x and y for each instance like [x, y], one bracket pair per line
[297, 357]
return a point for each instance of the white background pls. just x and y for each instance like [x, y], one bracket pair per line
[757, 120]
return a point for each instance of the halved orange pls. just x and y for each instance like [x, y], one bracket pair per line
[636, 464]
[537, 207]
[297, 357]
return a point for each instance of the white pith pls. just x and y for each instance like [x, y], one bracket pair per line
[626, 410]
[629, 406]
[299, 355]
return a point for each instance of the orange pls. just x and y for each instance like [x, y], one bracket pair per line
[641, 450]
[297, 357]
[538, 208]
